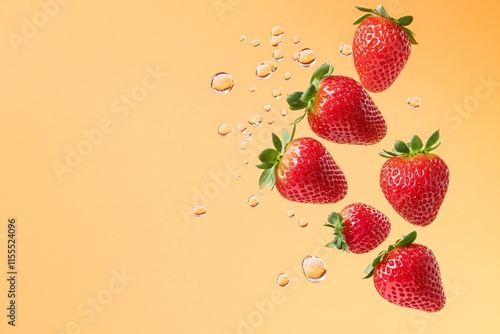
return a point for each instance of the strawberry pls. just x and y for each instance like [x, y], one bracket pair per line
[339, 109]
[359, 228]
[415, 181]
[408, 275]
[302, 170]
[381, 47]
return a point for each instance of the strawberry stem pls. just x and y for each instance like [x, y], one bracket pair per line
[336, 222]
[415, 146]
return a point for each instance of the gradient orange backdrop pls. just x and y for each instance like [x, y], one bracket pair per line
[109, 139]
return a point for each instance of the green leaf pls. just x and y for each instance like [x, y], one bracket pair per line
[294, 101]
[381, 10]
[334, 218]
[321, 72]
[401, 147]
[407, 239]
[433, 139]
[266, 177]
[358, 21]
[285, 137]
[405, 20]
[386, 154]
[369, 271]
[331, 244]
[269, 155]
[367, 10]
[265, 165]
[308, 94]
[277, 142]
[416, 144]
[411, 35]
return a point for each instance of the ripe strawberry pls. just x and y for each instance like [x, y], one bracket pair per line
[408, 275]
[302, 170]
[358, 228]
[339, 109]
[415, 181]
[381, 47]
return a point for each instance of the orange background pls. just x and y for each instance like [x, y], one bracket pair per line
[111, 244]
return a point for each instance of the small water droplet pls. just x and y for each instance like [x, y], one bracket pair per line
[248, 136]
[287, 76]
[283, 280]
[237, 177]
[272, 65]
[277, 31]
[243, 144]
[303, 222]
[242, 127]
[199, 210]
[277, 94]
[255, 120]
[256, 42]
[413, 102]
[267, 108]
[253, 201]
[271, 121]
[306, 57]
[253, 89]
[225, 129]
[261, 194]
[243, 38]
[275, 41]
[295, 56]
[346, 50]
[245, 163]
[284, 112]
[296, 40]
[291, 213]
[263, 71]
[314, 269]
[222, 83]
[278, 55]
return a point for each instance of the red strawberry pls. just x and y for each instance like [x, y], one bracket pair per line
[381, 47]
[302, 170]
[415, 181]
[339, 109]
[408, 275]
[359, 228]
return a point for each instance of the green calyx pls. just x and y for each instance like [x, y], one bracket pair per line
[303, 100]
[404, 241]
[403, 21]
[336, 222]
[271, 157]
[413, 147]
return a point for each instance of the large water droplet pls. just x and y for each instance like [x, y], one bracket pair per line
[272, 65]
[263, 71]
[256, 42]
[225, 129]
[277, 31]
[303, 222]
[253, 201]
[222, 83]
[275, 41]
[283, 280]
[278, 55]
[255, 120]
[346, 50]
[287, 76]
[413, 102]
[296, 40]
[243, 38]
[314, 269]
[199, 210]
[306, 57]
[277, 94]
[291, 213]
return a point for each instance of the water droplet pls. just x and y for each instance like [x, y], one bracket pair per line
[237, 177]
[243, 38]
[287, 76]
[256, 42]
[277, 31]
[248, 136]
[255, 120]
[278, 55]
[413, 102]
[306, 57]
[283, 280]
[346, 50]
[267, 108]
[261, 194]
[243, 144]
[284, 112]
[222, 83]
[296, 56]
[253, 89]
[242, 127]
[275, 41]
[314, 269]
[296, 40]
[277, 94]
[303, 222]
[199, 210]
[271, 121]
[253, 201]
[225, 129]
[272, 65]
[291, 213]
[245, 163]
[263, 71]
